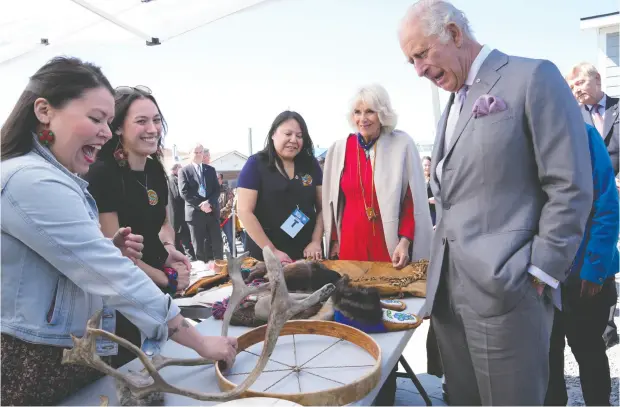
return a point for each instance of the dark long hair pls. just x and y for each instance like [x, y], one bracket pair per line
[304, 160]
[59, 81]
[122, 103]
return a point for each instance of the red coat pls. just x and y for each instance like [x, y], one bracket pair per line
[358, 242]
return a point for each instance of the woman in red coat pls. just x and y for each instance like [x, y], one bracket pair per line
[375, 205]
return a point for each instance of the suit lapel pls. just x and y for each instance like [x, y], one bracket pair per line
[485, 80]
[586, 115]
[611, 114]
[440, 138]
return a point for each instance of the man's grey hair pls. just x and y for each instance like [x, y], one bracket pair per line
[583, 67]
[377, 98]
[436, 15]
[175, 167]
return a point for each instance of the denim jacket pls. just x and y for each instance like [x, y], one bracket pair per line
[57, 266]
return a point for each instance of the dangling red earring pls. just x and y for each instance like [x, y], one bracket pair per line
[120, 156]
[46, 137]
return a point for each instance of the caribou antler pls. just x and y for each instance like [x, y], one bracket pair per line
[240, 289]
[283, 307]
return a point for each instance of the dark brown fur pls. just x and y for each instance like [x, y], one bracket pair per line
[359, 304]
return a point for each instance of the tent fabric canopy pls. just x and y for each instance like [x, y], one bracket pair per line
[27, 22]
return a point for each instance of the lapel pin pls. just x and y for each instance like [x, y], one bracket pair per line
[477, 80]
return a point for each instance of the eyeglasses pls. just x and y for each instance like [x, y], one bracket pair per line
[124, 90]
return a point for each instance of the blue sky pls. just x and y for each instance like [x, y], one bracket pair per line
[308, 55]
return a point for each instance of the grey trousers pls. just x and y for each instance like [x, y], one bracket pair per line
[500, 360]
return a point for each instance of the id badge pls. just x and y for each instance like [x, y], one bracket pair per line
[294, 223]
[202, 191]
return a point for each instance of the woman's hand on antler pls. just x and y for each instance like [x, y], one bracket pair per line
[221, 348]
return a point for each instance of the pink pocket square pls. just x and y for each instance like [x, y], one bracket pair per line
[488, 104]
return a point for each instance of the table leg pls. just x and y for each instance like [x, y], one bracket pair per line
[414, 379]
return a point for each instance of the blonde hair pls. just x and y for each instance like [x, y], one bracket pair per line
[377, 98]
[582, 67]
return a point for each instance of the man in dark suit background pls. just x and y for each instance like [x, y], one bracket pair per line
[199, 188]
[598, 109]
[601, 111]
[183, 240]
[215, 243]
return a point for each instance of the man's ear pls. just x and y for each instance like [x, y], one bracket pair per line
[455, 33]
[43, 110]
[597, 78]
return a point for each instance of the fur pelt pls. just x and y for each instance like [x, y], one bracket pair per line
[301, 276]
[357, 303]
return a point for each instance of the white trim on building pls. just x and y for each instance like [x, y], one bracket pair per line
[607, 27]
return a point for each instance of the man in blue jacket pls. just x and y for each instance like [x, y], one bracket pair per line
[589, 291]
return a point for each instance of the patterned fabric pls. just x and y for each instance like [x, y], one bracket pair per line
[33, 375]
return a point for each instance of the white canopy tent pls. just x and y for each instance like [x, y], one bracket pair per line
[223, 66]
[28, 25]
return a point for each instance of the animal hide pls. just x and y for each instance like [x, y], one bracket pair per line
[362, 304]
[301, 276]
[383, 276]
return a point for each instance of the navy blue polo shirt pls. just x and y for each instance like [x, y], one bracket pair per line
[278, 197]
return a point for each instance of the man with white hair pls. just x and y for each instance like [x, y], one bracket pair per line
[512, 181]
[598, 109]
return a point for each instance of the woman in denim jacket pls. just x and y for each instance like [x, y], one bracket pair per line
[58, 269]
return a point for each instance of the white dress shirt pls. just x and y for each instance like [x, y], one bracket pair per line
[602, 104]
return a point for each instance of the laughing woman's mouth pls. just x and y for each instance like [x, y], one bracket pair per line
[90, 152]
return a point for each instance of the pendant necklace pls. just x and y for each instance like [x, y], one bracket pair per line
[370, 210]
[151, 194]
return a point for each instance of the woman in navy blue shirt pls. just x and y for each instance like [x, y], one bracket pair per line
[279, 194]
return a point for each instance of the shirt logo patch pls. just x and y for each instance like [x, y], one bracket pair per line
[306, 180]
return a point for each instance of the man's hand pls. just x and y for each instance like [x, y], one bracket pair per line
[539, 285]
[130, 245]
[589, 289]
[206, 207]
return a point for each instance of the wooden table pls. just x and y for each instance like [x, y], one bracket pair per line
[203, 378]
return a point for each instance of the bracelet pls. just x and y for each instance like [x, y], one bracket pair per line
[172, 275]
[167, 244]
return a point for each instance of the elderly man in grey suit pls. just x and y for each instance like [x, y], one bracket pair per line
[512, 181]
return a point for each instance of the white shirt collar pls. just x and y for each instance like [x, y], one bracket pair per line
[477, 64]
[602, 102]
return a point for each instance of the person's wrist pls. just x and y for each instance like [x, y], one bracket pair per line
[171, 280]
[405, 241]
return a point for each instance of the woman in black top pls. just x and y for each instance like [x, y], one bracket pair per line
[279, 194]
[130, 187]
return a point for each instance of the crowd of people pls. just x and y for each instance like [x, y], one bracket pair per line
[517, 210]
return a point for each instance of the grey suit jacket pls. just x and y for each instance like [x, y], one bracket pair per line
[516, 186]
[610, 130]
